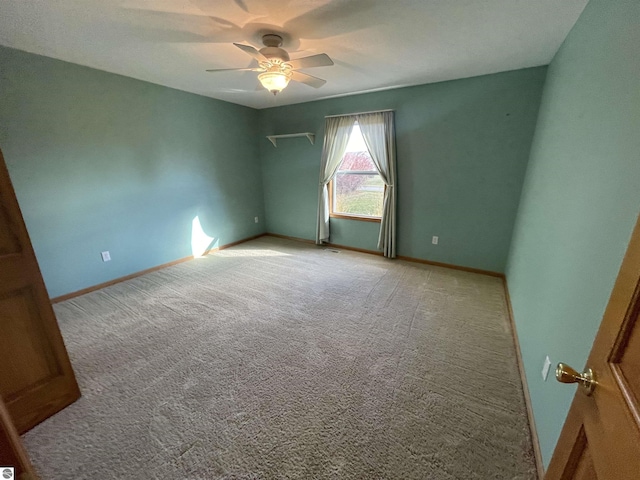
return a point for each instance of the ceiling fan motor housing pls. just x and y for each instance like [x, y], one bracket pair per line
[275, 53]
[272, 50]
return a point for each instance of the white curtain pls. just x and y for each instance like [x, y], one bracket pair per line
[336, 136]
[378, 131]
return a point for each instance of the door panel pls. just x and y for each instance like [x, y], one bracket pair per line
[580, 462]
[28, 360]
[585, 469]
[8, 241]
[36, 378]
[625, 361]
[601, 436]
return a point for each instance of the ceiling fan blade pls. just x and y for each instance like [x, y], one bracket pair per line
[320, 60]
[235, 70]
[251, 51]
[310, 80]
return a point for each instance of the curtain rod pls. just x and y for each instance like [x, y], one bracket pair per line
[359, 113]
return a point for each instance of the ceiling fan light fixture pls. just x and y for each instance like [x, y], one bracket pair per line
[275, 82]
[276, 67]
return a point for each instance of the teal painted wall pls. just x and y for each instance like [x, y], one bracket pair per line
[104, 162]
[462, 149]
[580, 200]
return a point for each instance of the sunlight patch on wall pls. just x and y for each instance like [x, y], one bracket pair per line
[200, 241]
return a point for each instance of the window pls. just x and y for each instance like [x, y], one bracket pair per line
[357, 189]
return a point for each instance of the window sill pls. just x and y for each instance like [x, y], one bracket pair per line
[354, 217]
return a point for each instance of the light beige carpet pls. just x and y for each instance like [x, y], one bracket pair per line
[278, 359]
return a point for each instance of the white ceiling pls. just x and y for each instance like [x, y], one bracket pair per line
[375, 44]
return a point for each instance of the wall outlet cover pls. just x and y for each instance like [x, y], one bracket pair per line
[545, 368]
[106, 256]
[434, 240]
[255, 219]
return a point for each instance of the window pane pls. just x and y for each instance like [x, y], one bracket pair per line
[358, 194]
[357, 161]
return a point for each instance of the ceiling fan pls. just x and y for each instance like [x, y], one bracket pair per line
[276, 68]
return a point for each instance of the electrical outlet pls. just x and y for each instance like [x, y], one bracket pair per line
[545, 368]
[106, 256]
[434, 240]
[255, 219]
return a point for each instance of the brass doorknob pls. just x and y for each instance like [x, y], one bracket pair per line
[566, 374]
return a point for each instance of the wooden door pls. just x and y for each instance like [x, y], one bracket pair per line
[36, 378]
[601, 436]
